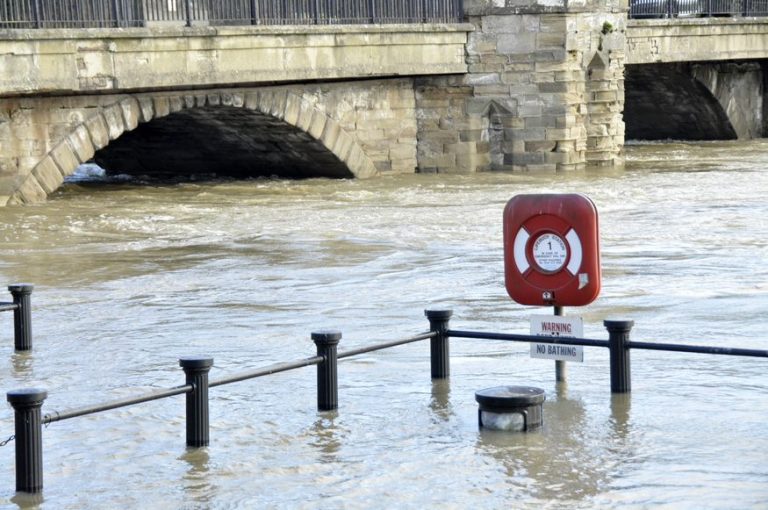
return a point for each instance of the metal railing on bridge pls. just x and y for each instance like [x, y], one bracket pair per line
[25, 14]
[644, 9]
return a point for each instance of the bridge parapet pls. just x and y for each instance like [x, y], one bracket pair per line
[124, 60]
[700, 39]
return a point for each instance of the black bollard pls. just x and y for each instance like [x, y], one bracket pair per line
[327, 372]
[26, 404]
[22, 316]
[618, 345]
[438, 346]
[196, 369]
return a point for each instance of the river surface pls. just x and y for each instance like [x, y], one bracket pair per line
[131, 277]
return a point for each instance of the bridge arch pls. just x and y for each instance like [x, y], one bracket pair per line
[673, 101]
[110, 122]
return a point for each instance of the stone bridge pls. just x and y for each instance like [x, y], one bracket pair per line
[520, 86]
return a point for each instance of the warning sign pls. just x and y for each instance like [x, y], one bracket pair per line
[557, 326]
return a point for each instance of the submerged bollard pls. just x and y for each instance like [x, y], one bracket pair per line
[26, 404]
[618, 345]
[327, 372]
[22, 316]
[196, 369]
[438, 346]
[510, 408]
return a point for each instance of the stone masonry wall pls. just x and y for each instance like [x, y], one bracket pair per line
[368, 125]
[544, 91]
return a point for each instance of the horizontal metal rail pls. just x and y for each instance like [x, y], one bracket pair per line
[115, 404]
[7, 307]
[139, 13]
[386, 345]
[268, 370]
[644, 9]
[700, 349]
[527, 338]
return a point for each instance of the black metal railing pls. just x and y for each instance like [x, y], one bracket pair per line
[29, 420]
[140, 13]
[22, 314]
[644, 9]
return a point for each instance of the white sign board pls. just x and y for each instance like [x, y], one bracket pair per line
[555, 325]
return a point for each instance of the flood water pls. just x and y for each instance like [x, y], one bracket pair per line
[128, 278]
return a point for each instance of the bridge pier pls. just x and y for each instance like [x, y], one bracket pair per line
[543, 92]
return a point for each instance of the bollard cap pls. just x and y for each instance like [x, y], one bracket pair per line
[504, 398]
[196, 362]
[27, 396]
[24, 288]
[438, 313]
[618, 324]
[326, 336]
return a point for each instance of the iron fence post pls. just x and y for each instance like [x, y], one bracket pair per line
[254, 12]
[37, 13]
[439, 348]
[327, 370]
[22, 316]
[188, 12]
[196, 370]
[618, 345]
[26, 404]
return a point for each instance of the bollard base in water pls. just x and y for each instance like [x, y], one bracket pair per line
[510, 408]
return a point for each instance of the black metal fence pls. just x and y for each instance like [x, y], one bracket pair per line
[29, 420]
[644, 9]
[140, 13]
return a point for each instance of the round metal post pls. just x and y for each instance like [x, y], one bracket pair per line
[327, 371]
[26, 404]
[188, 12]
[618, 345]
[22, 316]
[561, 369]
[439, 348]
[196, 369]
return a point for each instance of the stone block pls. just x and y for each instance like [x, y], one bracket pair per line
[279, 101]
[113, 115]
[29, 192]
[516, 44]
[131, 113]
[162, 106]
[481, 79]
[48, 175]
[65, 158]
[524, 158]
[547, 121]
[402, 151]
[473, 135]
[317, 124]
[80, 140]
[252, 100]
[518, 24]
[544, 168]
[545, 146]
[175, 104]
[550, 40]
[97, 127]
[147, 109]
[293, 104]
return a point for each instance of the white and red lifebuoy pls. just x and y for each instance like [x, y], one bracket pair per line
[551, 250]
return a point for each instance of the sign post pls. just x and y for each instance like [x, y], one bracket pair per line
[552, 258]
